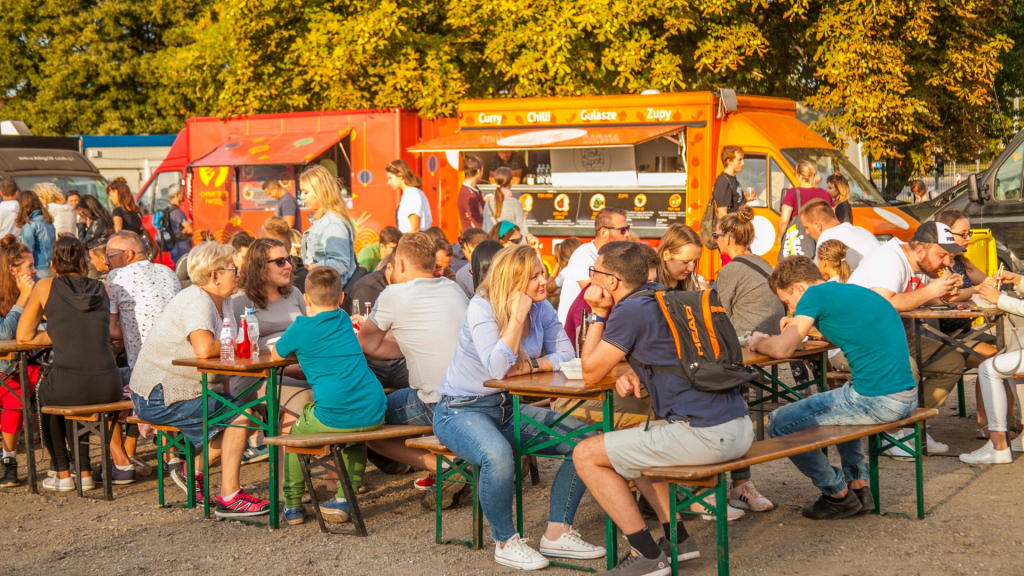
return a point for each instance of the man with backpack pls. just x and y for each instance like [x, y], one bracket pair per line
[868, 330]
[173, 228]
[697, 427]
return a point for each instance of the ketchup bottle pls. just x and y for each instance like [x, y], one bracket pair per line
[243, 349]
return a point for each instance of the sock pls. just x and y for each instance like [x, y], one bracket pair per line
[681, 533]
[8, 453]
[124, 468]
[643, 543]
[230, 497]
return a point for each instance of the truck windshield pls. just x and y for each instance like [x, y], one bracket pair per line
[84, 184]
[862, 190]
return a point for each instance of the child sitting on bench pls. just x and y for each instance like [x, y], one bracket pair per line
[346, 395]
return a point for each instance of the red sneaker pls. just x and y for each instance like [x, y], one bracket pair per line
[425, 483]
[242, 504]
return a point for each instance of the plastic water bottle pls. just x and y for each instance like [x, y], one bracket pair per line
[242, 347]
[253, 331]
[227, 343]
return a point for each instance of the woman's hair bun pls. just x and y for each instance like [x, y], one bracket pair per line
[8, 241]
[745, 214]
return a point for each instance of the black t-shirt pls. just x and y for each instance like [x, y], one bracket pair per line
[287, 205]
[727, 192]
[130, 222]
[514, 163]
[844, 212]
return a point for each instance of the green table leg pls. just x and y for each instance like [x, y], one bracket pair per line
[517, 455]
[206, 447]
[873, 445]
[962, 409]
[611, 538]
[273, 427]
[920, 441]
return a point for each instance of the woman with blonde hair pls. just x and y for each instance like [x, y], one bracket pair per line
[832, 261]
[508, 325]
[64, 220]
[414, 209]
[839, 189]
[795, 240]
[330, 240]
[678, 253]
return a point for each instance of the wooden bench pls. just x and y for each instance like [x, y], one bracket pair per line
[714, 475]
[92, 418]
[170, 440]
[460, 472]
[324, 449]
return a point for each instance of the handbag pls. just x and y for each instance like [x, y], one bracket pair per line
[708, 225]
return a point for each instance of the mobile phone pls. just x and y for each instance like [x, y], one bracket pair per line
[940, 308]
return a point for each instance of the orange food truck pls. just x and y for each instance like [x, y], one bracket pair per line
[656, 156]
[223, 163]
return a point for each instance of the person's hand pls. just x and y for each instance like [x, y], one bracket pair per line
[520, 368]
[25, 283]
[941, 287]
[521, 307]
[628, 383]
[533, 242]
[1007, 277]
[701, 283]
[755, 339]
[988, 292]
[784, 322]
[599, 299]
[358, 320]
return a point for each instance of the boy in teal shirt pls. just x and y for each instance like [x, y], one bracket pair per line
[347, 397]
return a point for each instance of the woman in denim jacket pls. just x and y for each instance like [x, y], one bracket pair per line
[37, 231]
[330, 239]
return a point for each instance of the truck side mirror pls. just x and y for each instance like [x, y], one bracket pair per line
[972, 189]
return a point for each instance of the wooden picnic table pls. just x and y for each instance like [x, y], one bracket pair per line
[21, 354]
[776, 389]
[264, 369]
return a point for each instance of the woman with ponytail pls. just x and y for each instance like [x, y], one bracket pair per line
[17, 277]
[832, 261]
[839, 189]
[413, 209]
[502, 206]
[793, 237]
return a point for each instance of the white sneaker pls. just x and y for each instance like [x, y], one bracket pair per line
[747, 497]
[88, 483]
[59, 484]
[570, 545]
[987, 454]
[1016, 445]
[731, 513]
[934, 447]
[516, 554]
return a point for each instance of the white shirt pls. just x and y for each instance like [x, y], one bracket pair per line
[576, 271]
[859, 242]
[414, 202]
[887, 267]
[139, 292]
[425, 315]
[8, 214]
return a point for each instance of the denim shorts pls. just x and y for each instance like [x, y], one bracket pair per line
[405, 407]
[186, 416]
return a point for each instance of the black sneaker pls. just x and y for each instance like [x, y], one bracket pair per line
[826, 508]
[687, 549]
[121, 477]
[635, 564]
[867, 501]
[9, 478]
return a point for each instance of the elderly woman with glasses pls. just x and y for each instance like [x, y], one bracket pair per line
[163, 393]
[265, 285]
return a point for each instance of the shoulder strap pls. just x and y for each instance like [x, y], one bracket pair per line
[752, 265]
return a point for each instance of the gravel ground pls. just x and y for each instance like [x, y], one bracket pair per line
[971, 527]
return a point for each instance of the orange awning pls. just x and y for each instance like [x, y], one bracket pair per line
[280, 148]
[568, 137]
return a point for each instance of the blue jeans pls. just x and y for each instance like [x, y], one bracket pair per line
[841, 407]
[479, 430]
[186, 416]
[405, 407]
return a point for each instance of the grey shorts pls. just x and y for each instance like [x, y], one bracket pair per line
[677, 444]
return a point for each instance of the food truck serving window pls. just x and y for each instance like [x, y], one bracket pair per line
[250, 185]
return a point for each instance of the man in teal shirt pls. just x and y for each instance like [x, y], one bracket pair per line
[868, 330]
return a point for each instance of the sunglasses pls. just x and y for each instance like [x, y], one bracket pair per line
[623, 230]
[516, 240]
[593, 271]
[109, 256]
[717, 235]
[281, 262]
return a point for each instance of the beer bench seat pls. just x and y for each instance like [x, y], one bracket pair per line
[170, 440]
[458, 472]
[713, 476]
[324, 449]
[92, 418]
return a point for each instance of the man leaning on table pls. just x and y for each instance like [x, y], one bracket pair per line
[696, 427]
[882, 389]
[906, 274]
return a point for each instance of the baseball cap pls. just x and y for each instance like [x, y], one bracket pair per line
[937, 233]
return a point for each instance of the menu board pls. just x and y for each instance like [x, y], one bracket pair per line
[579, 209]
[250, 185]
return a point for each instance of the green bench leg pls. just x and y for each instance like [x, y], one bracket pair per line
[721, 511]
[166, 444]
[919, 470]
[960, 396]
[873, 445]
[722, 519]
[468, 475]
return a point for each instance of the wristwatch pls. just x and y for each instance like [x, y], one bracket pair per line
[535, 364]
[591, 318]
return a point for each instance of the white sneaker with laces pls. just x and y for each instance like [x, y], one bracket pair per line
[731, 513]
[747, 497]
[516, 554]
[987, 454]
[570, 545]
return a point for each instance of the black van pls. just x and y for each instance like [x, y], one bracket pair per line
[29, 160]
[993, 199]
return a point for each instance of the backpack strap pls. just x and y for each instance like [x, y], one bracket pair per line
[660, 297]
[706, 308]
[752, 265]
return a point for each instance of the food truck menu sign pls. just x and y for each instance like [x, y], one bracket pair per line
[579, 209]
[581, 116]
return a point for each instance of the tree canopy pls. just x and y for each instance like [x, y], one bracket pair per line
[909, 78]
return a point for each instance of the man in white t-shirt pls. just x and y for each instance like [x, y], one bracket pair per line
[8, 208]
[609, 226]
[907, 276]
[419, 318]
[819, 219]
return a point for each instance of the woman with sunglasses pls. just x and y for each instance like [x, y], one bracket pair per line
[507, 233]
[265, 285]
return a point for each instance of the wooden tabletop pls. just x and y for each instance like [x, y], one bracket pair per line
[255, 366]
[807, 349]
[971, 313]
[556, 385]
[11, 346]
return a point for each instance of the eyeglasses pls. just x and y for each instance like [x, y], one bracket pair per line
[965, 235]
[717, 235]
[232, 270]
[281, 262]
[110, 255]
[622, 230]
[593, 271]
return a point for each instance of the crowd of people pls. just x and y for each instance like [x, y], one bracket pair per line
[432, 321]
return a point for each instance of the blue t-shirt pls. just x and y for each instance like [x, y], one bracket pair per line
[345, 392]
[868, 330]
[639, 328]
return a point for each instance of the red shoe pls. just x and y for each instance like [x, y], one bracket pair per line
[425, 483]
[242, 504]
